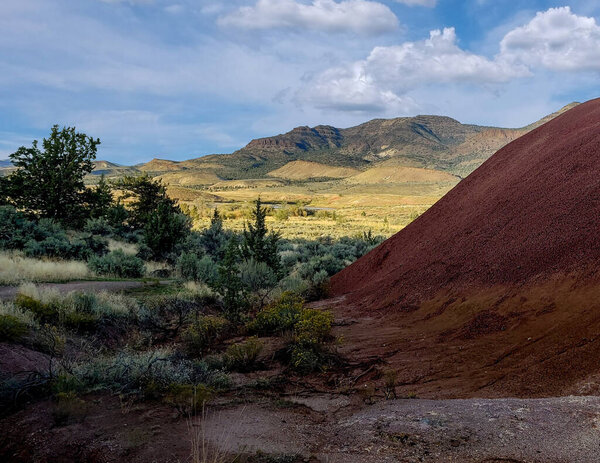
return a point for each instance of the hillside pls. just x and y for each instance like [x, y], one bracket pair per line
[495, 289]
[305, 170]
[377, 175]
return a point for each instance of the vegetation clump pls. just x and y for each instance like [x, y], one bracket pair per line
[119, 264]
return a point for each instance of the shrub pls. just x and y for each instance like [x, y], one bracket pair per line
[43, 312]
[188, 398]
[280, 316]
[99, 227]
[53, 246]
[305, 359]
[203, 333]
[243, 356]
[150, 373]
[117, 263]
[191, 267]
[11, 328]
[166, 315]
[313, 328]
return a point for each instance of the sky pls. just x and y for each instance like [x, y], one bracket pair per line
[179, 79]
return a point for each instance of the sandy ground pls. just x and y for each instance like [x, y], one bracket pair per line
[322, 428]
[473, 430]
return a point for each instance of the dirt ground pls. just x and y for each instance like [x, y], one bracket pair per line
[317, 428]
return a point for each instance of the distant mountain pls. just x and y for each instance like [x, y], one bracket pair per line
[428, 142]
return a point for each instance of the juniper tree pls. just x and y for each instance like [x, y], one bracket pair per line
[258, 243]
[49, 182]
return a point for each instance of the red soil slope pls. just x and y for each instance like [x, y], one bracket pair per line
[496, 288]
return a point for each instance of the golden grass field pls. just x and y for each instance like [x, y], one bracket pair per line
[314, 209]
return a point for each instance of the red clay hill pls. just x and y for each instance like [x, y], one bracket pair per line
[495, 290]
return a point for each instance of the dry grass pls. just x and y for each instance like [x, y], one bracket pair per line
[130, 249]
[202, 451]
[16, 269]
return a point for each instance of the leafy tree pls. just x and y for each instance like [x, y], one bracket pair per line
[260, 244]
[49, 182]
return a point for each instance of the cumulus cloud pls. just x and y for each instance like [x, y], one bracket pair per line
[361, 16]
[427, 3]
[556, 39]
[388, 73]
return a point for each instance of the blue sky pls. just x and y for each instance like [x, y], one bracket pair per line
[180, 79]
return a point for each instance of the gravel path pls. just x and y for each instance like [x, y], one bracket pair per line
[553, 430]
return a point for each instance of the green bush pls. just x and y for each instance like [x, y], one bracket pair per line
[204, 333]
[117, 263]
[43, 312]
[11, 328]
[313, 328]
[305, 359]
[280, 316]
[243, 356]
[193, 268]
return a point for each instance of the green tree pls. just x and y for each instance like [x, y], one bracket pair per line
[49, 182]
[215, 238]
[166, 228]
[229, 284]
[260, 244]
[100, 199]
[145, 194]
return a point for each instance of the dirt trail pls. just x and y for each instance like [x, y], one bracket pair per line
[9, 292]
[324, 428]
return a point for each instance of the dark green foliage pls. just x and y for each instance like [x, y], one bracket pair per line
[100, 227]
[15, 228]
[11, 328]
[117, 263]
[193, 268]
[100, 199]
[228, 283]
[151, 210]
[166, 227]
[258, 243]
[145, 194]
[214, 239]
[50, 183]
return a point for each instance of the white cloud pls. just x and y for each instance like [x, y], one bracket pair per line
[427, 3]
[556, 39]
[388, 73]
[361, 16]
